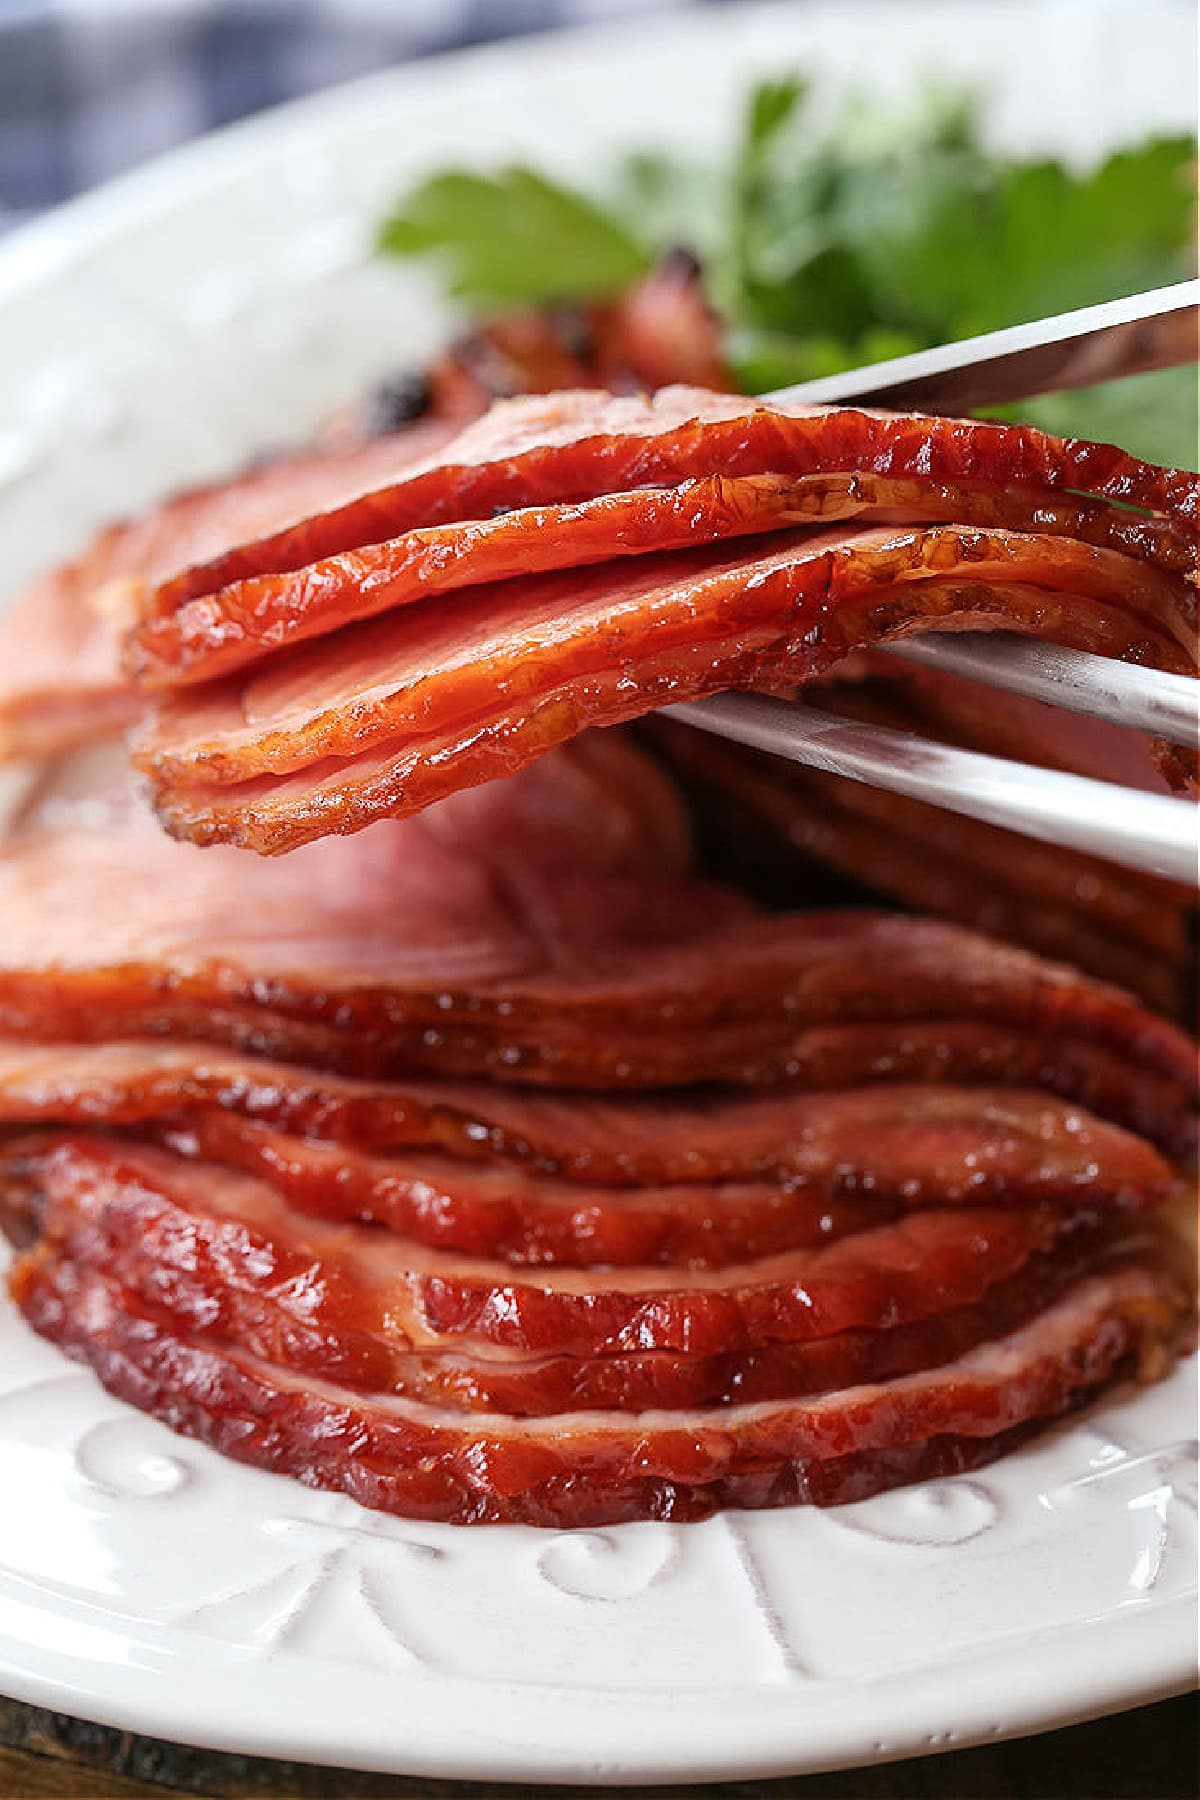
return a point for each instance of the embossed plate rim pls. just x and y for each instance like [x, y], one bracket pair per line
[260, 1702]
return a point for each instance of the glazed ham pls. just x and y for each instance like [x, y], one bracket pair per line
[572, 560]
[335, 1313]
[518, 931]
[406, 709]
[605, 1307]
[534, 578]
[1015, 1150]
[749, 1177]
[167, 1220]
[210, 635]
[589, 1468]
[572, 446]
[532, 1385]
[926, 1133]
[61, 681]
[491, 1163]
[222, 1257]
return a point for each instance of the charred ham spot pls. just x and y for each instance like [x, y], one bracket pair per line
[573, 329]
[20, 1199]
[397, 402]
[478, 357]
[681, 263]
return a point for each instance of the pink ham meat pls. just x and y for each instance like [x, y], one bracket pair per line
[587, 1468]
[60, 678]
[213, 634]
[373, 964]
[391, 715]
[61, 683]
[845, 1160]
[937, 1147]
[571, 446]
[172, 1220]
[456, 645]
[923, 1135]
[310, 1302]
[543, 929]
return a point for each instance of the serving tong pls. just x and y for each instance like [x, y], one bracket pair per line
[1145, 831]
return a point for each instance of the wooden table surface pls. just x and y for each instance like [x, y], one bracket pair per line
[1151, 1753]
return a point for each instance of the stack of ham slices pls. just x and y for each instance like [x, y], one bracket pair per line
[577, 560]
[480, 1158]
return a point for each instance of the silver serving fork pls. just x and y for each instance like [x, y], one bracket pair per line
[1144, 831]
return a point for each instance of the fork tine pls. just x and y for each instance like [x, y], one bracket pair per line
[1124, 694]
[1143, 831]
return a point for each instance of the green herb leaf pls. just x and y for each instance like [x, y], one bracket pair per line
[762, 360]
[828, 245]
[670, 203]
[772, 105]
[513, 237]
[1065, 240]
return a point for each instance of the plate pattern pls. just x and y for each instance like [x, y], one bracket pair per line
[98, 1502]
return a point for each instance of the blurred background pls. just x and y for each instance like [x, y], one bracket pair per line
[89, 88]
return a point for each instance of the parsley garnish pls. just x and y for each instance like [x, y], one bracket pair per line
[827, 245]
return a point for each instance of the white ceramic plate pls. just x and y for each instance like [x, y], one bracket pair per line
[161, 330]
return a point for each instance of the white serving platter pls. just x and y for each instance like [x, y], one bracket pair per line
[162, 330]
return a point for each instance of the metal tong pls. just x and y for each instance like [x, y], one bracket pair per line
[1144, 831]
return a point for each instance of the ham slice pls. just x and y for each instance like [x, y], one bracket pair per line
[387, 962]
[570, 446]
[562, 564]
[519, 931]
[110, 1211]
[847, 1160]
[209, 636]
[369, 1208]
[210, 520]
[589, 1468]
[169, 1219]
[61, 683]
[60, 678]
[878, 1149]
[390, 715]
[923, 1134]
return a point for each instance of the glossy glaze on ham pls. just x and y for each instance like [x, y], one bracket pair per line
[208, 636]
[590, 1468]
[636, 1140]
[492, 1164]
[418, 948]
[570, 446]
[61, 681]
[533, 578]
[842, 1161]
[171, 1218]
[394, 714]
[544, 928]
[225, 1260]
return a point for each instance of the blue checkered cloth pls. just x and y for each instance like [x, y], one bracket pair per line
[89, 88]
